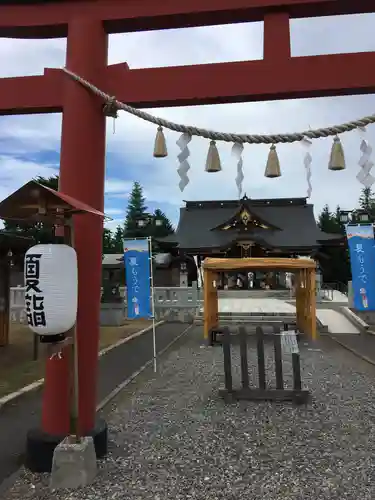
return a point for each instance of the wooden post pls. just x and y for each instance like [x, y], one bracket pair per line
[298, 278]
[278, 359]
[243, 355]
[215, 302]
[312, 318]
[305, 299]
[261, 361]
[210, 305]
[227, 361]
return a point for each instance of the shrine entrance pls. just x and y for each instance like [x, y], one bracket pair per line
[72, 91]
[303, 269]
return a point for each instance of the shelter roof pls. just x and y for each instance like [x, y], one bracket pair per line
[24, 204]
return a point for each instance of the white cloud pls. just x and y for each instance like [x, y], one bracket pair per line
[133, 140]
[14, 173]
[117, 186]
[114, 211]
[112, 224]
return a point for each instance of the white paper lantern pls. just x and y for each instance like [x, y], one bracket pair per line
[51, 288]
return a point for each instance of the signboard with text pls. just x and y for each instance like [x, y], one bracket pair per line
[289, 343]
[362, 258]
[138, 278]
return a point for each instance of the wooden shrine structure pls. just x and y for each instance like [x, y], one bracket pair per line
[87, 24]
[304, 270]
[275, 227]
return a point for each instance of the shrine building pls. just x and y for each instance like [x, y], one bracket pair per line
[281, 227]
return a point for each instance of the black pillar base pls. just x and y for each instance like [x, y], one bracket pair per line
[40, 446]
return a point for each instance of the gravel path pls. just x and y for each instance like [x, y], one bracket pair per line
[173, 438]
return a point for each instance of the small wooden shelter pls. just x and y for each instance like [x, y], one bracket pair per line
[303, 269]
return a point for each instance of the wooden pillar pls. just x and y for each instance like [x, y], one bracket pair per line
[82, 169]
[210, 307]
[306, 301]
[312, 318]
[206, 302]
[298, 280]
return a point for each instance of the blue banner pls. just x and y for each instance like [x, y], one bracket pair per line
[138, 278]
[362, 257]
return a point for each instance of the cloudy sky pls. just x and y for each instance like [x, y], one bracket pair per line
[29, 145]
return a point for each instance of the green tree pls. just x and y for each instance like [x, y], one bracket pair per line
[118, 240]
[334, 260]
[108, 241]
[40, 232]
[135, 212]
[162, 226]
[367, 202]
[329, 222]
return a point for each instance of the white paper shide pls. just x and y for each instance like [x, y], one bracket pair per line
[51, 282]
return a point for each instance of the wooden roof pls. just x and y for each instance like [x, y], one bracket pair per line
[257, 263]
[24, 203]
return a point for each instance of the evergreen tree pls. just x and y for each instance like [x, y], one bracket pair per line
[162, 225]
[118, 240]
[367, 202]
[135, 212]
[108, 241]
[327, 221]
[334, 263]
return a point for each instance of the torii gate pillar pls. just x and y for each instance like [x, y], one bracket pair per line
[82, 173]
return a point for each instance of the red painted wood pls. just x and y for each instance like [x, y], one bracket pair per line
[276, 38]
[51, 20]
[300, 77]
[32, 94]
[82, 172]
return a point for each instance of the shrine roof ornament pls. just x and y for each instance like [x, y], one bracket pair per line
[213, 163]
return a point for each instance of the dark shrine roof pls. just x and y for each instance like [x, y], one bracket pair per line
[291, 224]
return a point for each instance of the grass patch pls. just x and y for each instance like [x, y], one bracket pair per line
[17, 367]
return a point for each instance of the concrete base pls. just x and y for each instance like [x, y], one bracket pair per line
[74, 464]
[40, 446]
[112, 314]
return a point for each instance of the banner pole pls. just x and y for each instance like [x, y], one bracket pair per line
[152, 303]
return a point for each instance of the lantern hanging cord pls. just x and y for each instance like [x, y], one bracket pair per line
[224, 136]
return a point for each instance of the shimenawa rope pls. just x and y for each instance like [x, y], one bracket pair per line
[223, 136]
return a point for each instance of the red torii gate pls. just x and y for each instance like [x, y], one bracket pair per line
[86, 24]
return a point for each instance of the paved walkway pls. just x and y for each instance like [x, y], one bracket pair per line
[258, 305]
[174, 438]
[362, 344]
[336, 322]
[114, 367]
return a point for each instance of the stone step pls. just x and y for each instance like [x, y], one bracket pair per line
[251, 314]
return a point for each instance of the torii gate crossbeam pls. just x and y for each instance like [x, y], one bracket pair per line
[86, 24]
